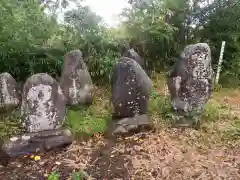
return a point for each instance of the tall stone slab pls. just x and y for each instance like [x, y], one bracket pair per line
[43, 104]
[76, 81]
[9, 92]
[131, 88]
[43, 112]
[190, 84]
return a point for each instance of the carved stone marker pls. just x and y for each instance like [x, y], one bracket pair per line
[9, 92]
[76, 81]
[43, 104]
[190, 84]
[131, 88]
[43, 112]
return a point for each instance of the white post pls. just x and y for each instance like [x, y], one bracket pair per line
[220, 62]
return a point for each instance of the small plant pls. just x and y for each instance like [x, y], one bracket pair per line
[211, 112]
[154, 95]
[77, 176]
[53, 176]
[217, 87]
[159, 106]
[10, 124]
[234, 131]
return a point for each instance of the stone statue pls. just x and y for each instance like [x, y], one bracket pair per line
[190, 84]
[76, 81]
[131, 88]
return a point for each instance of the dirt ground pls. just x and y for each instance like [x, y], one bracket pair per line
[169, 154]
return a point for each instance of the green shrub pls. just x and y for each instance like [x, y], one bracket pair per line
[101, 68]
[53, 176]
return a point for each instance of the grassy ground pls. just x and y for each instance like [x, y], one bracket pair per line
[165, 153]
[91, 120]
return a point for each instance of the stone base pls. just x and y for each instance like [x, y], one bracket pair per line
[186, 121]
[131, 125]
[34, 142]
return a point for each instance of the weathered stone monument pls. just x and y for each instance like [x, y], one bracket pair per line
[43, 104]
[190, 84]
[131, 53]
[131, 88]
[43, 112]
[76, 81]
[9, 92]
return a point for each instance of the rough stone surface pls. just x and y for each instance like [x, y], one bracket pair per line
[43, 104]
[76, 81]
[129, 125]
[190, 83]
[9, 92]
[131, 53]
[131, 88]
[34, 142]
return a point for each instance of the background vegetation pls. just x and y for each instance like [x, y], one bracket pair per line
[33, 39]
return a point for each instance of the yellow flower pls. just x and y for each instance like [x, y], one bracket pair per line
[37, 158]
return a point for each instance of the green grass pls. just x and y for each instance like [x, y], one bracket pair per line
[212, 111]
[53, 176]
[233, 132]
[77, 176]
[159, 109]
[10, 124]
[84, 121]
[161, 112]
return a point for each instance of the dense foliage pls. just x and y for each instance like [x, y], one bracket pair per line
[36, 34]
